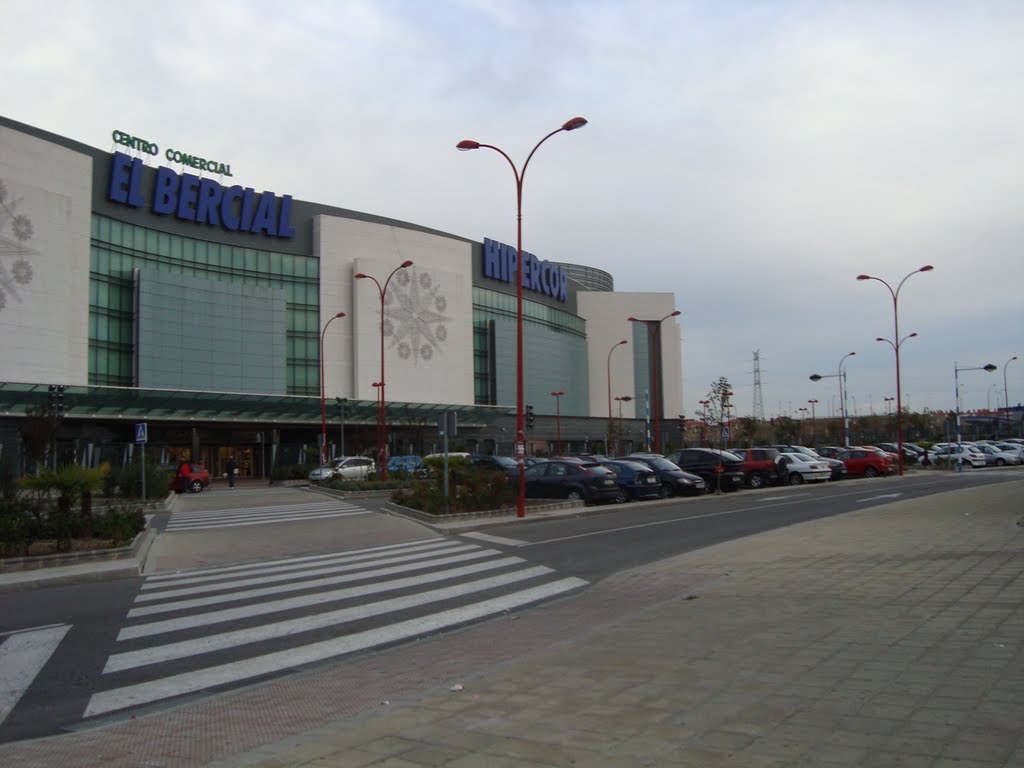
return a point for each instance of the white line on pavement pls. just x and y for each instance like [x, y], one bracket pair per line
[22, 656]
[493, 539]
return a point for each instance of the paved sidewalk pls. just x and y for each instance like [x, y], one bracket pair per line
[892, 636]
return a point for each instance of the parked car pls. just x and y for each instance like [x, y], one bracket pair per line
[1017, 449]
[345, 468]
[505, 464]
[190, 477]
[967, 454]
[674, 481]
[635, 480]
[995, 457]
[758, 465]
[831, 451]
[796, 468]
[721, 470]
[866, 463]
[572, 480]
[412, 465]
[837, 467]
[911, 453]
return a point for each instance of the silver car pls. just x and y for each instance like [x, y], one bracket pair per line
[345, 468]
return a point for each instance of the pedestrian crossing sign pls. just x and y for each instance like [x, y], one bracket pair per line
[140, 433]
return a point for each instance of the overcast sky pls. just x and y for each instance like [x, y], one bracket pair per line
[751, 157]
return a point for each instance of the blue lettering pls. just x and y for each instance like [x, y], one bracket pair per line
[120, 176]
[165, 191]
[264, 219]
[209, 198]
[563, 285]
[545, 273]
[248, 197]
[284, 219]
[229, 206]
[492, 259]
[535, 268]
[188, 194]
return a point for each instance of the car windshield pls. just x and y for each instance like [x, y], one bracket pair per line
[504, 461]
[661, 463]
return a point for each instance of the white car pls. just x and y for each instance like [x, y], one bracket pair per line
[796, 468]
[345, 468]
[1017, 449]
[997, 457]
[968, 454]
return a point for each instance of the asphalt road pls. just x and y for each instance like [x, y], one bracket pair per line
[97, 650]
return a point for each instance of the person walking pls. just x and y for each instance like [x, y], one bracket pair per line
[231, 467]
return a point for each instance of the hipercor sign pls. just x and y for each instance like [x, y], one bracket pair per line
[539, 276]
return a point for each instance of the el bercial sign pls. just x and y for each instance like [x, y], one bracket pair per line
[540, 276]
[204, 201]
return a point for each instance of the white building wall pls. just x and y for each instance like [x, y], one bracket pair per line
[607, 323]
[428, 342]
[45, 206]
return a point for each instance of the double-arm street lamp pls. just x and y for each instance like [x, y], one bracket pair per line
[382, 429]
[956, 391]
[654, 350]
[608, 368]
[620, 399]
[1006, 395]
[814, 430]
[557, 394]
[467, 144]
[896, 343]
[841, 375]
[704, 420]
[323, 405]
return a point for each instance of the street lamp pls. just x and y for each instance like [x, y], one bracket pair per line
[841, 375]
[896, 344]
[382, 429]
[341, 401]
[557, 394]
[611, 425]
[803, 418]
[727, 421]
[654, 349]
[620, 399]
[956, 383]
[814, 430]
[467, 144]
[1006, 395]
[323, 405]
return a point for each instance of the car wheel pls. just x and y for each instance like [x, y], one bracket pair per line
[795, 478]
[574, 494]
[621, 497]
[195, 486]
[756, 480]
[670, 491]
[1000, 463]
[870, 472]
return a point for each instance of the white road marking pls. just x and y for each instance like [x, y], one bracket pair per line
[493, 539]
[883, 496]
[173, 527]
[188, 682]
[22, 655]
[305, 601]
[240, 637]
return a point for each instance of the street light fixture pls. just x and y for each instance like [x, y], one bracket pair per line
[1006, 394]
[654, 349]
[323, 405]
[814, 430]
[611, 425]
[467, 144]
[557, 394]
[382, 428]
[704, 420]
[896, 344]
[956, 383]
[841, 375]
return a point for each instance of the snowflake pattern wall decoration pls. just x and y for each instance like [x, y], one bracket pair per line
[15, 267]
[415, 320]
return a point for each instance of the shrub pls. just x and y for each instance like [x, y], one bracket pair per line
[470, 489]
[129, 482]
[120, 524]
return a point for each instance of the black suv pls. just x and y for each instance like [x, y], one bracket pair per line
[721, 470]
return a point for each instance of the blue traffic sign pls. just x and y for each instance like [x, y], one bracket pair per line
[140, 433]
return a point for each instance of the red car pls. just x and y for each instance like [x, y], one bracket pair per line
[866, 462]
[190, 477]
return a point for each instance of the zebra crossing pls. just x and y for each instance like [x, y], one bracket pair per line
[22, 655]
[231, 517]
[192, 631]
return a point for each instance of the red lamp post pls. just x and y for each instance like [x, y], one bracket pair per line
[467, 144]
[323, 406]
[382, 428]
[896, 343]
[557, 394]
[654, 347]
[611, 425]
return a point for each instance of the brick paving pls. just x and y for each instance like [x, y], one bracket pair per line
[891, 636]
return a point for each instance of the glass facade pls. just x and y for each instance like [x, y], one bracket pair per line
[117, 248]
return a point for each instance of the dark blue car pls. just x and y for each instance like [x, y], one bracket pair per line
[635, 480]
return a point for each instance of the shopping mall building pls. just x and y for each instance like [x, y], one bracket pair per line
[144, 284]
